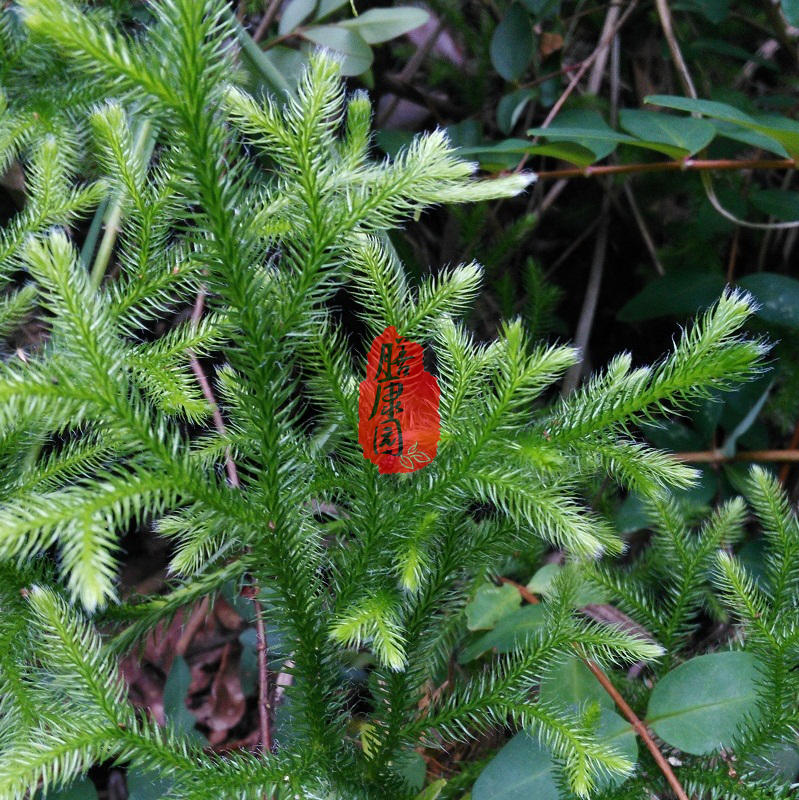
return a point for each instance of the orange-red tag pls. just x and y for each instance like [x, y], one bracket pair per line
[398, 420]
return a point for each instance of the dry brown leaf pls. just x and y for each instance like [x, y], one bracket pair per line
[225, 705]
[550, 43]
[226, 614]
[610, 615]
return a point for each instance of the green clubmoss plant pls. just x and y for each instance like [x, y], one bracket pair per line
[268, 208]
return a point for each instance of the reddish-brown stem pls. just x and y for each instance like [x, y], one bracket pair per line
[522, 590]
[786, 467]
[685, 165]
[717, 457]
[263, 679]
[208, 394]
[639, 728]
[625, 709]
[233, 478]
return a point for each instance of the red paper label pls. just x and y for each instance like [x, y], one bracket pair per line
[398, 421]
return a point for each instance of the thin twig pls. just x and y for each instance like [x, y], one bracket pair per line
[604, 43]
[767, 237]
[786, 467]
[266, 20]
[263, 678]
[733, 258]
[208, 394]
[780, 27]
[191, 627]
[233, 478]
[674, 48]
[790, 241]
[664, 12]
[608, 34]
[590, 300]
[548, 200]
[588, 311]
[522, 590]
[717, 457]
[639, 728]
[685, 165]
[643, 229]
[411, 68]
[572, 247]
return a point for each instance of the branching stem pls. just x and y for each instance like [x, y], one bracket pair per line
[639, 728]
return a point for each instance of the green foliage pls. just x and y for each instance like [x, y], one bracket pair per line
[740, 698]
[521, 769]
[269, 206]
[302, 24]
[699, 706]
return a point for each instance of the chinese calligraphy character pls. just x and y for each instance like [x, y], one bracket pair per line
[398, 407]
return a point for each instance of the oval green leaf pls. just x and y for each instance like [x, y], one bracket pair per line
[512, 44]
[541, 582]
[176, 690]
[677, 137]
[572, 152]
[679, 293]
[790, 8]
[702, 705]
[572, 683]
[381, 24]
[716, 11]
[542, 9]
[81, 789]
[259, 62]
[784, 130]
[356, 55]
[327, 7]
[146, 785]
[586, 129]
[728, 130]
[509, 633]
[614, 730]
[412, 767]
[506, 154]
[778, 296]
[521, 770]
[489, 604]
[510, 108]
[777, 203]
[297, 11]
